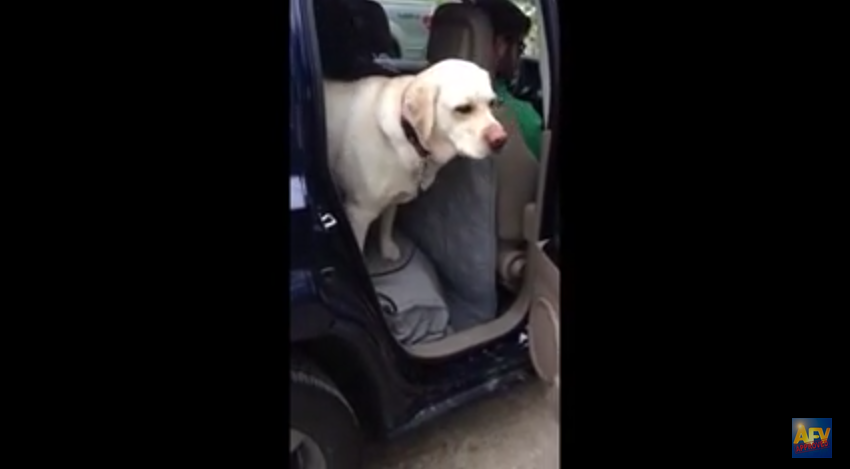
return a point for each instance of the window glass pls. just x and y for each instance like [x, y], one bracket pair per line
[410, 21]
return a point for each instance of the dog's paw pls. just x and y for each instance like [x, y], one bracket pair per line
[426, 183]
[390, 251]
[427, 177]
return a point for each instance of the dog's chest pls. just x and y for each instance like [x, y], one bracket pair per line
[404, 197]
[378, 176]
[405, 184]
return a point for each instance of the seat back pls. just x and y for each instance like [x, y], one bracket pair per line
[375, 26]
[460, 31]
[347, 53]
[463, 31]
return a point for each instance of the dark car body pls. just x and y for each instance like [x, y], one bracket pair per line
[335, 318]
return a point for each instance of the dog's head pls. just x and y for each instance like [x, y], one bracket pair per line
[450, 106]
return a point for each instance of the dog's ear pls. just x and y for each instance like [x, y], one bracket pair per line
[418, 106]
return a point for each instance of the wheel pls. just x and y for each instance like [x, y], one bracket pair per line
[323, 429]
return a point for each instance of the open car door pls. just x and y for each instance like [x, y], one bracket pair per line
[543, 276]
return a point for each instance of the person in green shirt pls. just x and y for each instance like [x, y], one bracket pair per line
[510, 27]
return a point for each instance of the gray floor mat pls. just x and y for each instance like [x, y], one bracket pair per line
[414, 307]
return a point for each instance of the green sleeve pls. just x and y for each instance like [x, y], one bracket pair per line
[531, 126]
[529, 121]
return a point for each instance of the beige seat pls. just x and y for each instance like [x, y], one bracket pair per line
[462, 31]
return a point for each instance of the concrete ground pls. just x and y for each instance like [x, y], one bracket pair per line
[514, 430]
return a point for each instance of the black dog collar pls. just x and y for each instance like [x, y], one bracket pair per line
[413, 139]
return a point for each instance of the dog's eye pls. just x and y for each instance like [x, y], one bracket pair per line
[465, 109]
[493, 103]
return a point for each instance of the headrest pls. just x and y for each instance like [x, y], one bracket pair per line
[461, 31]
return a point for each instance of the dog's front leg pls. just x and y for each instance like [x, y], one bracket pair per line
[429, 173]
[359, 219]
[389, 249]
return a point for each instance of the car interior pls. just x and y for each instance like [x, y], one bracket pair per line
[472, 267]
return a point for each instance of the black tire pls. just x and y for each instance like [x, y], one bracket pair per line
[318, 410]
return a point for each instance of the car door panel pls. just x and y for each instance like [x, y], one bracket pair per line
[543, 281]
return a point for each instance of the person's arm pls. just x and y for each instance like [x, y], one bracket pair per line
[528, 120]
[530, 125]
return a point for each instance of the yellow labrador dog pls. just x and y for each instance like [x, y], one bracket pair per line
[388, 137]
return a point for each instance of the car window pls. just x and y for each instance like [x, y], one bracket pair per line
[410, 22]
[529, 7]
